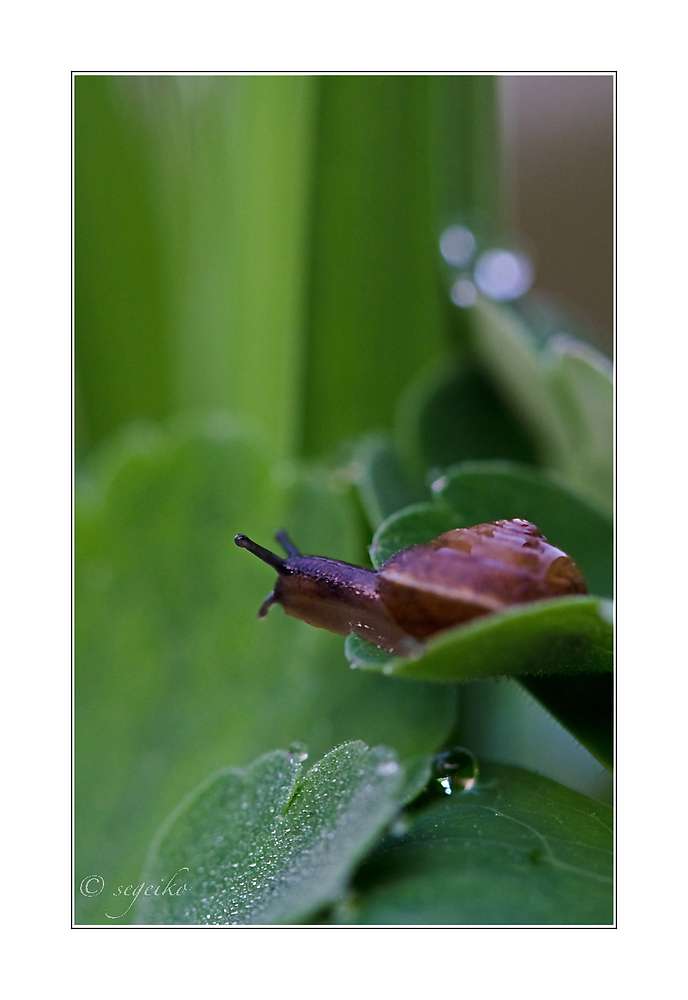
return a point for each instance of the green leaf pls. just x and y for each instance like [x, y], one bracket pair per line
[563, 393]
[510, 351]
[374, 307]
[242, 147]
[453, 413]
[122, 365]
[561, 635]
[413, 525]
[580, 381]
[175, 675]
[192, 228]
[583, 704]
[526, 643]
[383, 481]
[564, 636]
[466, 147]
[268, 244]
[517, 849]
[266, 846]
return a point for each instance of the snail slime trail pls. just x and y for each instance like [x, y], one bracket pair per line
[460, 575]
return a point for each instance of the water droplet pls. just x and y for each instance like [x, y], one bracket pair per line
[503, 274]
[605, 610]
[387, 767]
[463, 293]
[298, 750]
[457, 245]
[400, 826]
[456, 770]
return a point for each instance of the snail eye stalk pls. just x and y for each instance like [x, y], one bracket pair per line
[285, 541]
[271, 558]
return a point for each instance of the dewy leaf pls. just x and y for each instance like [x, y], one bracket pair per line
[265, 846]
[517, 849]
[175, 676]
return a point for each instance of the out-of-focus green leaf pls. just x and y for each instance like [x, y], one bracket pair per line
[121, 311]
[247, 160]
[563, 392]
[375, 313]
[268, 244]
[384, 483]
[175, 676]
[267, 846]
[192, 215]
[509, 350]
[517, 849]
[580, 380]
[453, 413]
[466, 137]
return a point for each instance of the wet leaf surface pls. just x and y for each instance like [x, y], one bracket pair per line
[271, 844]
[517, 849]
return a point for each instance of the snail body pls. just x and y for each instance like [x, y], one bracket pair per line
[419, 591]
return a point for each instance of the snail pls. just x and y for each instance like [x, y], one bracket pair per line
[424, 589]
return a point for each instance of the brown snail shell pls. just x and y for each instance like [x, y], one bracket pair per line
[421, 590]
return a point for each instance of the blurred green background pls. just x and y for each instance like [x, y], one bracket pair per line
[225, 214]
[242, 242]
[258, 289]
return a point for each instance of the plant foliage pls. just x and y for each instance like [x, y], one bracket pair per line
[264, 341]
